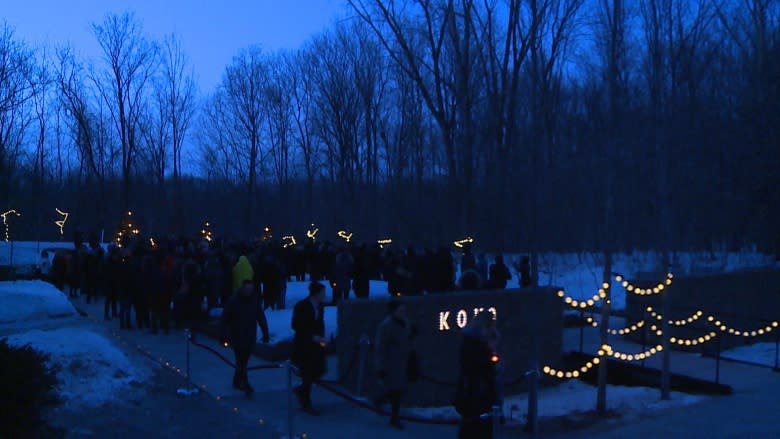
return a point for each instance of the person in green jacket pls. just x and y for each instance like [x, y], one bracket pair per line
[242, 271]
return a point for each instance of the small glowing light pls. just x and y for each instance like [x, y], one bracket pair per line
[289, 241]
[383, 242]
[494, 358]
[312, 232]
[225, 344]
[619, 278]
[546, 369]
[568, 375]
[559, 374]
[568, 300]
[561, 293]
[596, 361]
[461, 243]
[344, 235]
[575, 374]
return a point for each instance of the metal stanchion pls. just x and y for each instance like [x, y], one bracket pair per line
[364, 344]
[777, 351]
[496, 417]
[290, 400]
[532, 425]
[189, 390]
[645, 328]
[717, 363]
[582, 327]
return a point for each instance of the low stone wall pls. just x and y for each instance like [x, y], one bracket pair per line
[439, 319]
[742, 300]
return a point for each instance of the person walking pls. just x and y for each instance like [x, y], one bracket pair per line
[238, 325]
[499, 274]
[476, 393]
[308, 355]
[393, 351]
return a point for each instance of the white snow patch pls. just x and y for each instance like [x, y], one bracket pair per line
[32, 300]
[92, 370]
[573, 397]
[759, 353]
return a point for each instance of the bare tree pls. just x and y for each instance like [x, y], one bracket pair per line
[177, 88]
[17, 67]
[129, 60]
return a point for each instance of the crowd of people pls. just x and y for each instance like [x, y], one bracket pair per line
[176, 282]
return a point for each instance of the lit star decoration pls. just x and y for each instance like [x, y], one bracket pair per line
[312, 232]
[205, 232]
[344, 235]
[383, 242]
[289, 241]
[61, 223]
[267, 235]
[126, 228]
[5, 222]
[461, 243]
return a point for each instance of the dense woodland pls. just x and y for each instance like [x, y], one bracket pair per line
[528, 124]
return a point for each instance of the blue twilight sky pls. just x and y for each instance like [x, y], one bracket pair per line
[211, 31]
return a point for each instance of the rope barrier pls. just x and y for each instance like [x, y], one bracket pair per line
[230, 363]
[360, 402]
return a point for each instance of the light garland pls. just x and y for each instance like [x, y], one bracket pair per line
[312, 232]
[655, 329]
[624, 331]
[744, 333]
[686, 321]
[582, 304]
[630, 287]
[344, 235]
[5, 222]
[574, 373]
[692, 341]
[632, 357]
[383, 242]
[289, 241]
[61, 223]
[461, 243]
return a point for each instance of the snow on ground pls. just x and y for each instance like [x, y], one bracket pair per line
[32, 300]
[759, 353]
[27, 252]
[573, 397]
[92, 370]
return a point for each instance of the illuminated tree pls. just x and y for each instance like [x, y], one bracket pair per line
[127, 229]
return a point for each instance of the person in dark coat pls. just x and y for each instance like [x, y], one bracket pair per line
[308, 355]
[238, 324]
[476, 393]
[340, 276]
[113, 283]
[393, 349]
[499, 274]
[524, 269]
[467, 262]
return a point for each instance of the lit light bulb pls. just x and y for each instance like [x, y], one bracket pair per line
[561, 293]
[546, 369]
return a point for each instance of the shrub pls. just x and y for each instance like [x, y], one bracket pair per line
[27, 387]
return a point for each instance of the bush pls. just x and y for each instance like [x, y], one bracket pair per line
[27, 388]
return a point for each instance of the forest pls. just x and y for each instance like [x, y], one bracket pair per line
[530, 125]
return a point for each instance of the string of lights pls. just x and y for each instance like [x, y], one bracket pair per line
[462, 242]
[61, 223]
[743, 333]
[632, 288]
[289, 241]
[582, 304]
[345, 236]
[5, 216]
[692, 341]
[623, 331]
[631, 357]
[574, 373]
[312, 232]
[683, 322]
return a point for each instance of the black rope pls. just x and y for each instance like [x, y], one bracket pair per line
[230, 363]
[349, 369]
[329, 386]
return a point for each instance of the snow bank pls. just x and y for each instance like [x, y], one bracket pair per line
[92, 371]
[573, 397]
[27, 252]
[759, 353]
[32, 300]
[280, 324]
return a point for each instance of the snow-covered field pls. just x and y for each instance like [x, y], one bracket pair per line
[36, 300]
[759, 353]
[92, 370]
[573, 397]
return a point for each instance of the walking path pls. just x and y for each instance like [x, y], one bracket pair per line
[338, 418]
[751, 412]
